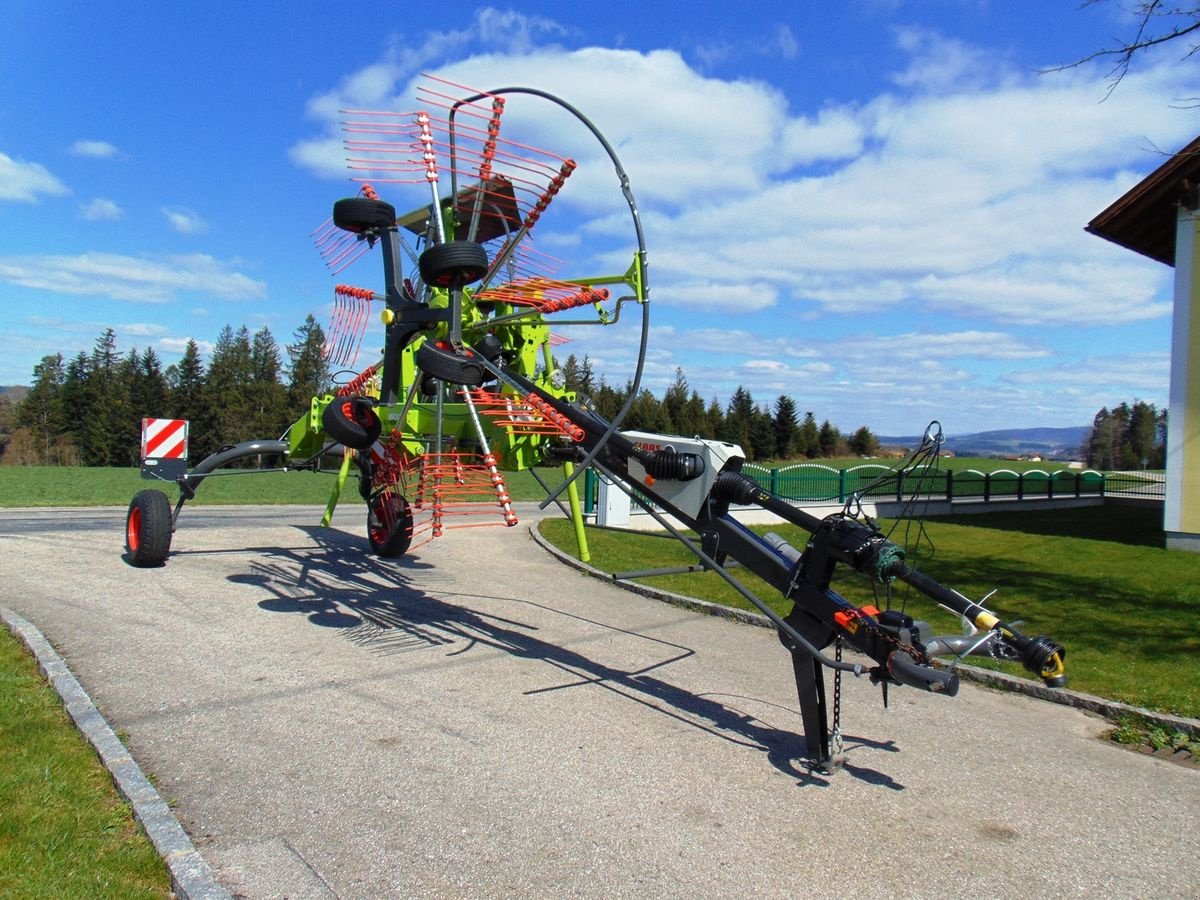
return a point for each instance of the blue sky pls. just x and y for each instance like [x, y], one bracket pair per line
[876, 208]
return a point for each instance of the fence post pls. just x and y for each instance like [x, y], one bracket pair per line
[1078, 489]
[900, 486]
[1050, 488]
[987, 487]
[841, 485]
[775, 482]
[1103, 482]
[1021, 486]
[949, 485]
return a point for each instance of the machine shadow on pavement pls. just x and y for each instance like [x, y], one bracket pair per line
[382, 606]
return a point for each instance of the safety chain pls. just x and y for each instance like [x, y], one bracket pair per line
[838, 749]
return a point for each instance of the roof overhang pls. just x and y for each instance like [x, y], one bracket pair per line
[1144, 219]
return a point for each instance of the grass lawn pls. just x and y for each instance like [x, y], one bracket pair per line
[64, 831]
[1095, 579]
[24, 486]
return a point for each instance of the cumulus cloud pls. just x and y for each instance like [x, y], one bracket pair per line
[956, 197]
[184, 221]
[101, 209]
[177, 345]
[24, 181]
[94, 149]
[129, 278]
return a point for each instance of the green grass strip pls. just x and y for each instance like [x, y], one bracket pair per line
[64, 830]
[32, 486]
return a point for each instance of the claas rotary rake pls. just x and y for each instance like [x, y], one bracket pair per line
[466, 388]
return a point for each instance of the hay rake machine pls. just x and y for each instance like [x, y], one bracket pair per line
[466, 388]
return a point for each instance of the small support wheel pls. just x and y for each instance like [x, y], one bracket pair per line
[352, 421]
[359, 215]
[453, 264]
[148, 528]
[439, 359]
[389, 525]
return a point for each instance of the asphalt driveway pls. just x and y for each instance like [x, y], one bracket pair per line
[476, 720]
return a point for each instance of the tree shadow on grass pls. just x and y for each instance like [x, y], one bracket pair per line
[402, 606]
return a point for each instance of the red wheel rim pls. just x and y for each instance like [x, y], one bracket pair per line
[385, 519]
[133, 527]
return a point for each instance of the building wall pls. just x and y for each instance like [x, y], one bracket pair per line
[1182, 509]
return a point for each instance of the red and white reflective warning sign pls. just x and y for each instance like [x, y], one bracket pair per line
[164, 438]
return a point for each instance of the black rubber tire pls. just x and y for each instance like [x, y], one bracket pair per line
[389, 525]
[453, 264]
[148, 529]
[358, 214]
[352, 421]
[439, 360]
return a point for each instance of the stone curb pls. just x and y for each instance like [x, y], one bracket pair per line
[1109, 709]
[191, 877]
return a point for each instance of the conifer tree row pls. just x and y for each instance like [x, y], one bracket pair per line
[763, 432]
[88, 410]
[1127, 437]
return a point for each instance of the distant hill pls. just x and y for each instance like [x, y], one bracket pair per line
[1057, 443]
[14, 393]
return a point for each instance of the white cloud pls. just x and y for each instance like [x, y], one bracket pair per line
[184, 221]
[82, 326]
[938, 63]
[24, 181]
[129, 278]
[744, 297]
[101, 209]
[956, 199]
[94, 149]
[177, 345]
[1147, 373]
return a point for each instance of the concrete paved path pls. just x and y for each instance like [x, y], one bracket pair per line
[476, 720]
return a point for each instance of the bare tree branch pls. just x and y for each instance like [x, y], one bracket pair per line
[1156, 24]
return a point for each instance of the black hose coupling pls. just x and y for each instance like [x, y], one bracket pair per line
[1044, 657]
[734, 487]
[668, 463]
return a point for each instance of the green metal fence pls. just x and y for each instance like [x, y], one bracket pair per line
[814, 483]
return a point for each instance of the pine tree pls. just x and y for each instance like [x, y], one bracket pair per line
[1141, 434]
[570, 373]
[308, 370]
[786, 428]
[97, 404]
[153, 394]
[739, 418]
[127, 446]
[829, 440]
[1159, 460]
[714, 420]
[608, 400]
[809, 441]
[226, 410]
[762, 435]
[8, 414]
[268, 397]
[674, 403]
[587, 377]
[42, 411]
[863, 442]
[694, 420]
[646, 413]
[185, 382]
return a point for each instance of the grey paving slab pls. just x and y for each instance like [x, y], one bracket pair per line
[476, 720]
